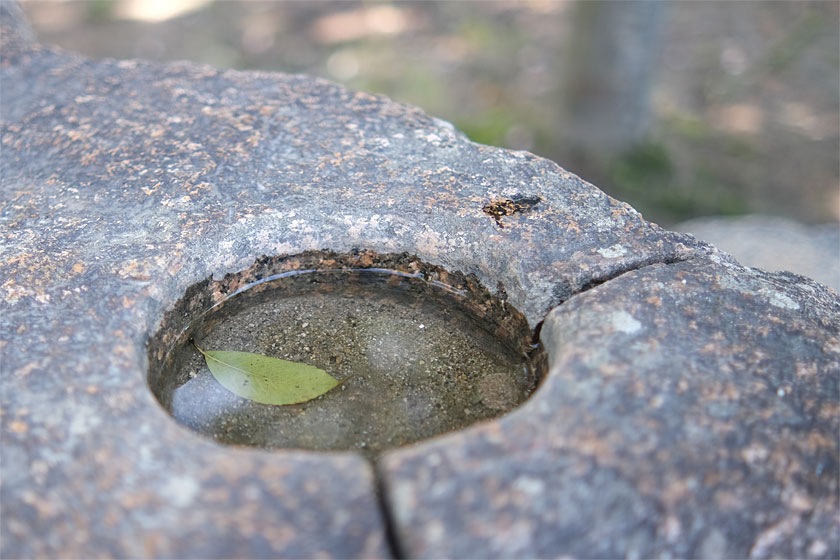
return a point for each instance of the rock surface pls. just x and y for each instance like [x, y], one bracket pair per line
[691, 410]
[126, 182]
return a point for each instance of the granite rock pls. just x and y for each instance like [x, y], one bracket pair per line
[126, 182]
[133, 162]
[691, 410]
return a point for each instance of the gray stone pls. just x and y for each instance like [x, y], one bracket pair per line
[691, 410]
[704, 424]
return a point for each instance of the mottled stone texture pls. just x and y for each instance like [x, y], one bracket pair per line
[129, 165]
[691, 408]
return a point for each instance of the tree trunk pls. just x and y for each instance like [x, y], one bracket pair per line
[610, 69]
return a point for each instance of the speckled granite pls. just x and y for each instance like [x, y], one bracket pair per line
[691, 410]
[125, 182]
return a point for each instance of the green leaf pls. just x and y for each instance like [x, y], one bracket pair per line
[267, 380]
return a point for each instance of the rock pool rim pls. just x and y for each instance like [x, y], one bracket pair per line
[289, 274]
[203, 300]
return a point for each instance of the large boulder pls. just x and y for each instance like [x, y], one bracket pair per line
[691, 406]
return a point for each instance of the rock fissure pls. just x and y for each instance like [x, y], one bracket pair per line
[384, 502]
[563, 291]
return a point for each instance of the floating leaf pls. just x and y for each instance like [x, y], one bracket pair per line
[267, 380]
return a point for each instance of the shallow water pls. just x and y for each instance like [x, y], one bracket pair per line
[416, 363]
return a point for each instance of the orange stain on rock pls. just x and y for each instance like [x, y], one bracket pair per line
[18, 427]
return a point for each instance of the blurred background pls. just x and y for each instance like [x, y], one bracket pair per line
[683, 109]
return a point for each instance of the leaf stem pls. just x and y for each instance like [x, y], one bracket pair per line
[192, 340]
